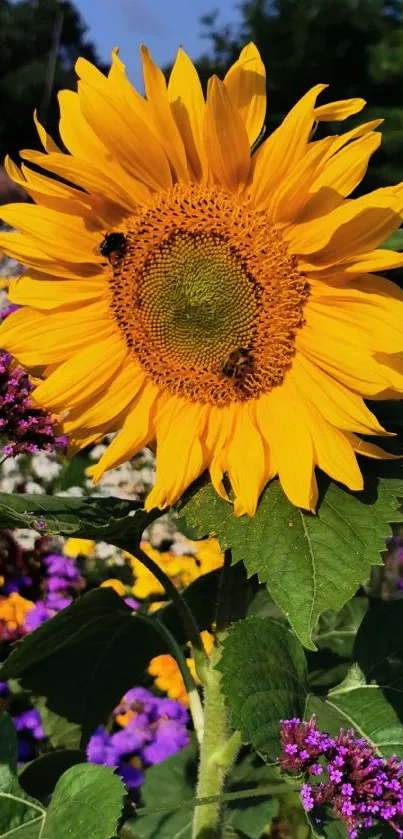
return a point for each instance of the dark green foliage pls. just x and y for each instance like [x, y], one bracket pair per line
[26, 29]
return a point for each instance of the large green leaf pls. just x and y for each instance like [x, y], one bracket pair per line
[336, 631]
[87, 802]
[84, 659]
[264, 679]
[362, 707]
[18, 812]
[308, 563]
[87, 518]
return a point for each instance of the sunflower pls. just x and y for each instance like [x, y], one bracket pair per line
[193, 287]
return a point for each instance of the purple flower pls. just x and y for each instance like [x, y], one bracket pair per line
[38, 615]
[360, 785]
[27, 428]
[132, 776]
[30, 721]
[100, 749]
[62, 568]
[170, 737]
[57, 601]
[153, 730]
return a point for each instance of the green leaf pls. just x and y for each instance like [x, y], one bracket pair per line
[337, 631]
[86, 518]
[168, 783]
[60, 732]
[39, 777]
[264, 679]
[355, 704]
[85, 658]
[174, 782]
[18, 812]
[308, 563]
[395, 241]
[87, 802]
[82, 661]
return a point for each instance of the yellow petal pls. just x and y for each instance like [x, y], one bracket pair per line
[37, 338]
[24, 250]
[179, 428]
[339, 110]
[48, 144]
[91, 178]
[332, 451]
[166, 128]
[127, 138]
[370, 449]
[349, 363]
[247, 482]
[345, 170]
[278, 415]
[187, 103]
[284, 148]
[338, 405]
[82, 376]
[225, 137]
[133, 436]
[28, 290]
[113, 400]
[291, 194]
[377, 260]
[218, 432]
[351, 229]
[57, 233]
[246, 85]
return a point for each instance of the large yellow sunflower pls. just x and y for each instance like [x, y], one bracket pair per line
[189, 291]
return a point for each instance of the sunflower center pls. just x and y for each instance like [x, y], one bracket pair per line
[207, 296]
[196, 299]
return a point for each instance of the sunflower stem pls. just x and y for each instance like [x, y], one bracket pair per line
[195, 706]
[220, 745]
[188, 620]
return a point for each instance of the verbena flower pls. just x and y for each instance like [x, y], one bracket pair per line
[345, 773]
[191, 288]
[26, 427]
[14, 610]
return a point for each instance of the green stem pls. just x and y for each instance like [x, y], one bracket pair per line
[195, 705]
[218, 752]
[188, 620]
[220, 744]
[271, 790]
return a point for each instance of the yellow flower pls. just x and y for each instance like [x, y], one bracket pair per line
[167, 676]
[117, 586]
[78, 547]
[13, 610]
[182, 570]
[188, 289]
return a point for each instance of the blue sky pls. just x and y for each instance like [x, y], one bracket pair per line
[162, 24]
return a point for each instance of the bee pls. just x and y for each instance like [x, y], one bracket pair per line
[238, 364]
[114, 244]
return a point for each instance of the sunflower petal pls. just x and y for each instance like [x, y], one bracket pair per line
[225, 137]
[246, 86]
[187, 103]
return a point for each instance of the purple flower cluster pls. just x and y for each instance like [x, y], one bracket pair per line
[153, 730]
[29, 733]
[360, 787]
[28, 429]
[62, 577]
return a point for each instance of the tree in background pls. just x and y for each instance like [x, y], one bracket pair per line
[26, 34]
[356, 46]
